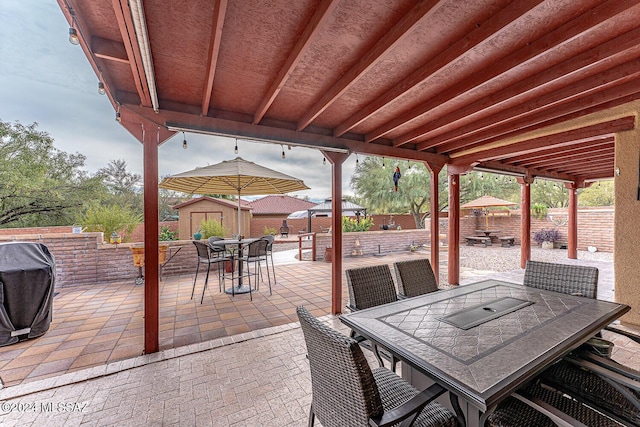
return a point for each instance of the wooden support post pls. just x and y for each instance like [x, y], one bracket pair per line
[454, 230]
[151, 271]
[525, 222]
[572, 221]
[434, 170]
[336, 160]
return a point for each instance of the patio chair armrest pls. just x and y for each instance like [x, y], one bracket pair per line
[412, 407]
[400, 296]
[616, 376]
[350, 308]
[558, 417]
[627, 334]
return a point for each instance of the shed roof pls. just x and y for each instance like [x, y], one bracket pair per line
[230, 203]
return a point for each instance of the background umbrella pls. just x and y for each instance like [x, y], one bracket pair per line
[237, 176]
[485, 202]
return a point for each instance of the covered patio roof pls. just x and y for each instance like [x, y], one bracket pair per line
[530, 88]
[449, 81]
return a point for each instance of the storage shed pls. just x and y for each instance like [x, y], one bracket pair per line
[192, 212]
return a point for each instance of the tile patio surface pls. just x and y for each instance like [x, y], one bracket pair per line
[228, 361]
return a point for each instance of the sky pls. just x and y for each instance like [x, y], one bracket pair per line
[46, 79]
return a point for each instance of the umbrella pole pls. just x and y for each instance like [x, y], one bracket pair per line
[239, 225]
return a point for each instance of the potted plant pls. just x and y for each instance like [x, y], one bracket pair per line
[547, 237]
[197, 235]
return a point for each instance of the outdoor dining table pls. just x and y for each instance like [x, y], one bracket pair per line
[484, 340]
[237, 245]
[488, 233]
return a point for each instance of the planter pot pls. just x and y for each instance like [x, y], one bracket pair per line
[547, 245]
[197, 236]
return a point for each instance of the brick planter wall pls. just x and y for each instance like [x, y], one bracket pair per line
[374, 242]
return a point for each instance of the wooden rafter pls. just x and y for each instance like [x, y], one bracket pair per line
[394, 36]
[219, 12]
[317, 21]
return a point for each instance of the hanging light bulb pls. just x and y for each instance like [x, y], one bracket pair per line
[284, 156]
[235, 150]
[101, 90]
[357, 161]
[184, 141]
[73, 36]
[383, 162]
[324, 160]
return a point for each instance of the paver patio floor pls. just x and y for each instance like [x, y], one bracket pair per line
[227, 362]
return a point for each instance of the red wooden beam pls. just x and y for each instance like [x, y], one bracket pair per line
[322, 13]
[219, 12]
[151, 269]
[559, 139]
[578, 157]
[492, 26]
[598, 89]
[612, 52]
[391, 38]
[454, 229]
[128, 33]
[600, 141]
[110, 50]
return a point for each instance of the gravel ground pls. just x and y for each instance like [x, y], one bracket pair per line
[507, 259]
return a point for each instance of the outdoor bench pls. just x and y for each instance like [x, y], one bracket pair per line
[472, 240]
[507, 241]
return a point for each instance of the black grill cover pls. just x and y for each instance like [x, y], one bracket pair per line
[27, 279]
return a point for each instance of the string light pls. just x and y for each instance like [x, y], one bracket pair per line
[235, 150]
[101, 90]
[284, 156]
[184, 141]
[383, 162]
[118, 118]
[324, 160]
[357, 161]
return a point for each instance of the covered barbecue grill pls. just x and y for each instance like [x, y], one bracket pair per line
[27, 278]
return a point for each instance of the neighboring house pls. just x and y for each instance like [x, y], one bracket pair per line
[192, 212]
[270, 211]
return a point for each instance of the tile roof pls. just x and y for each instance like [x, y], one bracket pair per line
[279, 204]
[231, 203]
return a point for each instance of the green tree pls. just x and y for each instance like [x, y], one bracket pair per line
[39, 184]
[478, 184]
[551, 194]
[373, 185]
[110, 218]
[124, 188]
[601, 193]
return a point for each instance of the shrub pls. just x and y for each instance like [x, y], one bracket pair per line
[167, 234]
[108, 219]
[539, 210]
[546, 235]
[350, 225]
[211, 227]
[270, 231]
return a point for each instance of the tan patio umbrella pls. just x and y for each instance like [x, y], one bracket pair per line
[486, 202]
[237, 176]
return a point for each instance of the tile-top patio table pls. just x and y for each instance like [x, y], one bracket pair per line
[482, 341]
[238, 245]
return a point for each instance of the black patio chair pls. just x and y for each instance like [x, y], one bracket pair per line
[205, 257]
[415, 277]
[370, 287]
[270, 238]
[346, 392]
[567, 279]
[255, 253]
[601, 383]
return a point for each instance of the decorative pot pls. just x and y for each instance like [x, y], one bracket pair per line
[197, 236]
[547, 245]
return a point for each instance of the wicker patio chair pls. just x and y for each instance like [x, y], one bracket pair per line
[415, 277]
[567, 279]
[346, 392]
[370, 287]
[540, 407]
[600, 382]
